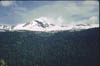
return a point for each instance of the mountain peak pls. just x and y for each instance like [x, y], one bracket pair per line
[42, 24]
[41, 19]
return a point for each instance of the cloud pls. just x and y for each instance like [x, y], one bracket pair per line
[60, 20]
[91, 20]
[61, 12]
[91, 0]
[64, 9]
[6, 3]
[19, 10]
[91, 3]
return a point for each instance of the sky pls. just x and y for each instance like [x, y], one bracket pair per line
[57, 12]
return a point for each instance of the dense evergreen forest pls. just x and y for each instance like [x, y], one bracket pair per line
[63, 48]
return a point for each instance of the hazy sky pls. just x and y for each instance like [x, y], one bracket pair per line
[57, 12]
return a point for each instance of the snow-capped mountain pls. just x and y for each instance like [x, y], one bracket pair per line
[78, 27]
[42, 24]
[4, 27]
[39, 24]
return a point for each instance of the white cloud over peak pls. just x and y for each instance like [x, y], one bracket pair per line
[93, 19]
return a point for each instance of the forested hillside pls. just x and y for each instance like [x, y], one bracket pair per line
[65, 48]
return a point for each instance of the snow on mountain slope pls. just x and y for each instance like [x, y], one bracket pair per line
[78, 27]
[4, 27]
[39, 24]
[42, 24]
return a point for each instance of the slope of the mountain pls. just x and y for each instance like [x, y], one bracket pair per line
[78, 27]
[4, 27]
[64, 48]
[42, 24]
